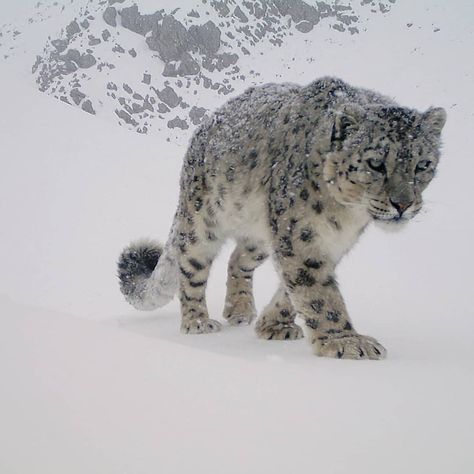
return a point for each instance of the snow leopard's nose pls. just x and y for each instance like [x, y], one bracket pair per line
[401, 206]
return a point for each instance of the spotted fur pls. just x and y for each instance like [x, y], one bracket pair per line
[296, 173]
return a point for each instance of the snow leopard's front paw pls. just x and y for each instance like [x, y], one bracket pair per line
[349, 347]
[200, 326]
[278, 331]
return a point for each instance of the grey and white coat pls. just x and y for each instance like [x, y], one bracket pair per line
[296, 173]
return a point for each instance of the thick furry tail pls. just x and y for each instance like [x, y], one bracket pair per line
[148, 274]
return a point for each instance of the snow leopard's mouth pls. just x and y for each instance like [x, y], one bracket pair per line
[391, 219]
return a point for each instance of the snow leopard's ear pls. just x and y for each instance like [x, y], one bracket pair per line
[433, 120]
[347, 121]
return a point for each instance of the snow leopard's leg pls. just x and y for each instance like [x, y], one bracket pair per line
[239, 303]
[311, 284]
[196, 250]
[277, 321]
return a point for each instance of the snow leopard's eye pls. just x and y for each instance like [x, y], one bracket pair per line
[423, 165]
[377, 164]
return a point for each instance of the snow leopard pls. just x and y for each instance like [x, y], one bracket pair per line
[295, 173]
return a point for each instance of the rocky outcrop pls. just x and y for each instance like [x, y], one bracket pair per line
[171, 39]
[298, 10]
[141, 24]
[220, 62]
[84, 60]
[206, 37]
[189, 52]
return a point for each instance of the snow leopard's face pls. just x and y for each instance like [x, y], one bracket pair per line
[383, 158]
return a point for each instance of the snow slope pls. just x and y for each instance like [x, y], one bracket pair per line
[82, 397]
[158, 68]
[90, 385]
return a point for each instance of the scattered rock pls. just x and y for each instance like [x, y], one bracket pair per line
[304, 26]
[86, 61]
[77, 96]
[196, 114]
[170, 70]
[60, 45]
[178, 123]
[82, 60]
[188, 66]
[118, 49]
[87, 107]
[188, 49]
[67, 67]
[147, 104]
[126, 117]
[220, 62]
[206, 37]
[298, 10]
[36, 64]
[168, 96]
[101, 66]
[238, 13]
[171, 39]
[136, 108]
[141, 24]
[221, 7]
[162, 108]
[110, 16]
[72, 55]
[72, 29]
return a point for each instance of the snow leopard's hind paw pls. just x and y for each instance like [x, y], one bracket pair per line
[200, 326]
[349, 347]
[240, 313]
[278, 331]
[240, 319]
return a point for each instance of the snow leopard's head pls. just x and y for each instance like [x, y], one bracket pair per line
[383, 157]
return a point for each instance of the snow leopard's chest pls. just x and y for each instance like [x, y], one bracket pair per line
[337, 234]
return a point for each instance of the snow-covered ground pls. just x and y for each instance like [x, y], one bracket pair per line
[88, 385]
